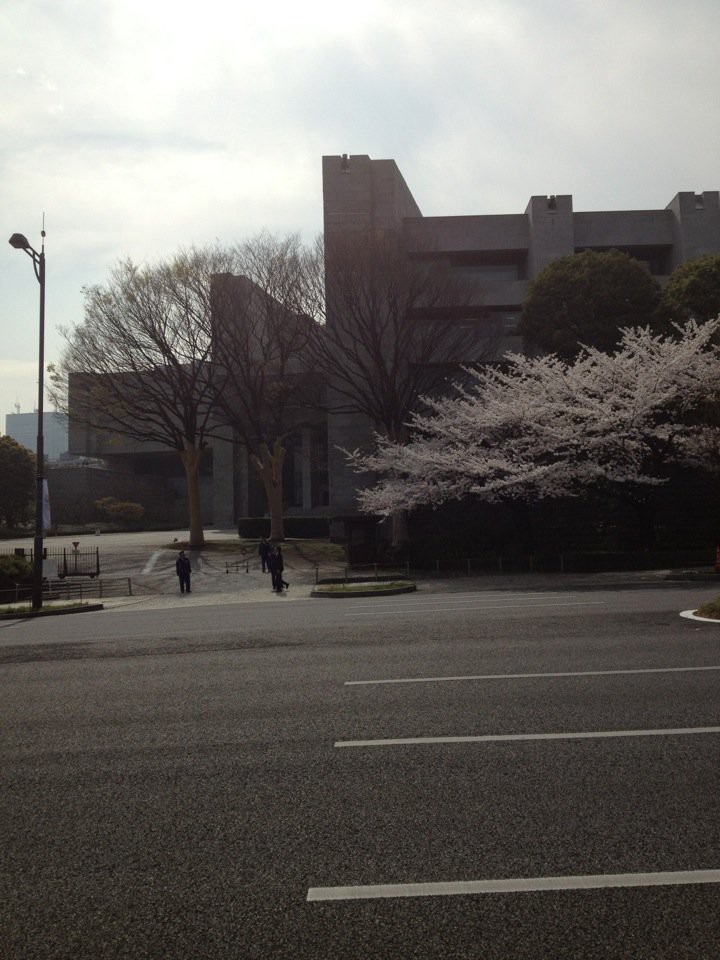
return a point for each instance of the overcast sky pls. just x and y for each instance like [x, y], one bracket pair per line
[140, 126]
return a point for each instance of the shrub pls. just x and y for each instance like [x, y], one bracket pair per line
[13, 570]
[119, 511]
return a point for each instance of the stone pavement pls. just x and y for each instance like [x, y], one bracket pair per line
[148, 559]
[211, 587]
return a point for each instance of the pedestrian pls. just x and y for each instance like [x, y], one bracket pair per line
[264, 551]
[280, 566]
[182, 568]
[272, 565]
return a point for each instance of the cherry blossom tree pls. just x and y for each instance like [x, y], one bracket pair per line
[543, 428]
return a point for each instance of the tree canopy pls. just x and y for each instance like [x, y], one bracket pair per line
[139, 365]
[391, 334]
[693, 290]
[587, 299]
[262, 337]
[17, 481]
[546, 428]
[397, 324]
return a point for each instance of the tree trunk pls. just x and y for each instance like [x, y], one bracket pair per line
[400, 535]
[642, 530]
[190, 457]
[269, 465]
[522, 517]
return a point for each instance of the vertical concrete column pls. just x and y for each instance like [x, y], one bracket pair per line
[696, 224]
[550, 230]
[306, 467]
[223, 479]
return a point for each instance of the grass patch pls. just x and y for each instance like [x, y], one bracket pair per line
[710, 610]
[365, 587]
[24, 609]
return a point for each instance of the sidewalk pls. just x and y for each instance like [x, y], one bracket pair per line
[211, 588]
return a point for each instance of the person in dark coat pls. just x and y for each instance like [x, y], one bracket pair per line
[182, 568]
[264, 551]
[272, 565]
[279, 567]
[276, 565]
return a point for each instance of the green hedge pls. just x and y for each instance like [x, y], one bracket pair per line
[13, 570]
[298, 528]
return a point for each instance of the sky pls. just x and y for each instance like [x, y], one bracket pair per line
[137, 127]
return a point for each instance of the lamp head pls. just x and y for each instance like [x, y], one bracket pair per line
[19, 241]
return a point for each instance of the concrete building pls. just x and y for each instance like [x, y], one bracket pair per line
[23, 428]
[500, 254]
[497, 254]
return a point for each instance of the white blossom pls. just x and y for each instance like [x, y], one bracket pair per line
[543, 428]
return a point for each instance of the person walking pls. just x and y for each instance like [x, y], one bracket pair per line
[182, 568]
[264, 551]
[280, 566]
[272, 565]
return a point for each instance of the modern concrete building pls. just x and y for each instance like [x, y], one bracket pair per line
[499, 254]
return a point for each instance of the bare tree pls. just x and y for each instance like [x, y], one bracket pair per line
[261, 335]
[396, 325]
[140, 363]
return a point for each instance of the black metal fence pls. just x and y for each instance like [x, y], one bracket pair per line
[71, 562]
[69, 589]
[87, 590]
[571, 562]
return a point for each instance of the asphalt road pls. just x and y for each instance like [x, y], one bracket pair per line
[218, 782]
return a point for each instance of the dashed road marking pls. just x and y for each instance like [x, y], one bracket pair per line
[514, 885]
[530, 676]
[494, 605]
[510, 737]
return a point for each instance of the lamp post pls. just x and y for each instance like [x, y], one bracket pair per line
[19, 242]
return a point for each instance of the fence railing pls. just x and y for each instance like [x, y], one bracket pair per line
[72, 562]
[87, 589]
[64, 589]
[569, 562]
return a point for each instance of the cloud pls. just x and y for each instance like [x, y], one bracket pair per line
[140, 127]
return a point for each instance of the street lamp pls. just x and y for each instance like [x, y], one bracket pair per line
[20, 242]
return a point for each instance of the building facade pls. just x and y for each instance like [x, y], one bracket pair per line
[23, 428]
[498, 254]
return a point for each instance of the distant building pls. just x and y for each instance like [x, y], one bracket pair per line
[23, 428]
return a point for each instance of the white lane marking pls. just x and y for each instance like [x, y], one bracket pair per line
[522, 606]
[514, 885]
[507, 737]
[530, 676]
[419, 600]
[148, 568]
[691, 615]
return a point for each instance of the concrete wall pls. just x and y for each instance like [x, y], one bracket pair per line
[360, 194]
[72, 491]
[696, 224]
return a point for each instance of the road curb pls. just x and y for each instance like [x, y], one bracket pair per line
[59, 612]
[337, 595]
[691, 615]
